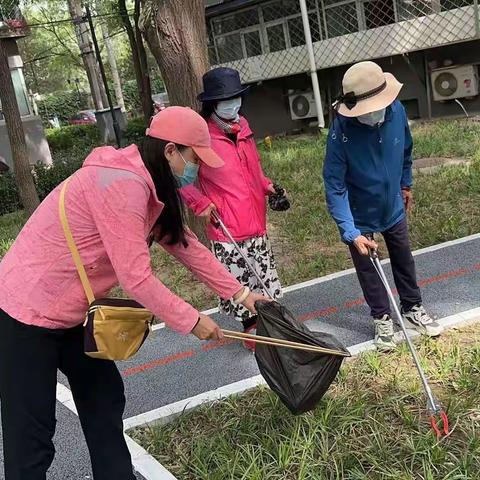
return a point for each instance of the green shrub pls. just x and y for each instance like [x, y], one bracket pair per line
[47, 177]
[78, 137]
[132, 97]
[63, 104]
[135, 131]
[9, 194]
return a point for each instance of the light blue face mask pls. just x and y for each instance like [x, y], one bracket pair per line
[228, 109]
[190, 173]
[373, 118]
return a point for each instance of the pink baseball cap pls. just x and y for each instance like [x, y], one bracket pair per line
[183, 126]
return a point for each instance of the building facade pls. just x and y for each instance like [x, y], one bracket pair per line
[432, 46]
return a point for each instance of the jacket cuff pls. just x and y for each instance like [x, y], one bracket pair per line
[351, 235]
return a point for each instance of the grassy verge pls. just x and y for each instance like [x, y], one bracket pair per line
[306, 240]
[370, 425]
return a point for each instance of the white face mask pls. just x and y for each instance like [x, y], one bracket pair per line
[228, 109]
[373, 118]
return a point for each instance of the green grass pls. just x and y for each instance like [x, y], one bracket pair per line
[306, 240]
[371, 425]
[10, 226]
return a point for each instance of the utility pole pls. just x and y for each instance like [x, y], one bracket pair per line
[313, 66]
[116, 127]
[88, 57]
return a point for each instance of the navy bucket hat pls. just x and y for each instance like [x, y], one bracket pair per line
[221, 84]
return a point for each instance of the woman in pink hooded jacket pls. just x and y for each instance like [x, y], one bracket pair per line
[113, 203]
[237, 191]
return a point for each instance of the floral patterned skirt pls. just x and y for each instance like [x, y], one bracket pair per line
[259, 251]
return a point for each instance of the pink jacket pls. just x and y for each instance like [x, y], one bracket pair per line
[238, 189]
[111, 206]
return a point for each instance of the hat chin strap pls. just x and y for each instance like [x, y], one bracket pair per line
[350, 100]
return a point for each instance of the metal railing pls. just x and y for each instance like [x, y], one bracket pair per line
[267, 40]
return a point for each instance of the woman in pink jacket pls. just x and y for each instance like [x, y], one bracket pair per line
[237, 191]
[112, 204]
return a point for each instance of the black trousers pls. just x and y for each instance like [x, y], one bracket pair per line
[29, 359]
[403, 268]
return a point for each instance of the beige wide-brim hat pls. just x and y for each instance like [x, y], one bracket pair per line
[365, 89]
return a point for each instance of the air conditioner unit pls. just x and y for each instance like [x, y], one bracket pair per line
[455, 82]
[302, 105]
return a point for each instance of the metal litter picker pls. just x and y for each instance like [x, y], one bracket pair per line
[433, 406]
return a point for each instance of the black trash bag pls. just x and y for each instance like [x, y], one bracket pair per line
[300, 378]
[278, 201]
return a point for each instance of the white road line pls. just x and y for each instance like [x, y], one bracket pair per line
[167, 413]
[332, 276]
[145, 464]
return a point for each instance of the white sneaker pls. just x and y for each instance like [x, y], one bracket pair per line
[418, 319]
[384, 333]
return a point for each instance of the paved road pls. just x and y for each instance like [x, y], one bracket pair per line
[171, 368]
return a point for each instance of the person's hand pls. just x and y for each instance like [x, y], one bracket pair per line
[407, 195]
[207, 213]
[207, 329]
[253, 297]
[271, 188]
[363, 244]
[154, 235]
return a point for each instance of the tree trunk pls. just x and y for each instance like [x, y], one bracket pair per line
[16, 135]
[142, 80]
[175, 31]
[87, 53]
[146, 85]
[117, 84]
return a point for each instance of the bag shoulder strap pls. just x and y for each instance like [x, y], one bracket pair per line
[73, 248]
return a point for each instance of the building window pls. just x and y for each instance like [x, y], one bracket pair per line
[270, 27]
[253, 43]
[378, 13]
[341, 19]
[276, 37]
[229, 48]
[235, 21]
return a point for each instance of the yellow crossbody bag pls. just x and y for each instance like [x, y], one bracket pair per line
[115, 328]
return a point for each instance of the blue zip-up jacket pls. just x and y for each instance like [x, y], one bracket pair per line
[365, 169]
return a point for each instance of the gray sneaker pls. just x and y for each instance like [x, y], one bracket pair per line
[418, 319]
[384, 334]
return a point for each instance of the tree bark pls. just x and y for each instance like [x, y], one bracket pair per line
[146, 85]
[117, 84]
[16, 135]
[142, 78]
[87, 53]
[175, 31]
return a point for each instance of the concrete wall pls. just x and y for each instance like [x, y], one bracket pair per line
[267, 107]
[37, 145]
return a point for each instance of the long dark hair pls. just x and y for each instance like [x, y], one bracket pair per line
[172, 219]
[208, 108]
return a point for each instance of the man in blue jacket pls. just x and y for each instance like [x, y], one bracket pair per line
[368, 180]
